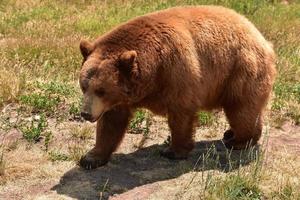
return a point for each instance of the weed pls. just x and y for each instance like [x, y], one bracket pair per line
[2, 162]
[104, 188]
[238, 184]
[57, 156]
[140, 123]
[76, 151]
[206, 119]
[33, 132]
[235, 187]
[55, 88]
[48, 97]
[83, 133]
[286, 192]
[139, 117]
[74, 110]
[40, 102]
[48, 137]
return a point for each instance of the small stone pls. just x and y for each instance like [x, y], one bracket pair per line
[13, 120]
[37, 117]
[29, 119]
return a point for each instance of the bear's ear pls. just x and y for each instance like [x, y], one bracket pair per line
[86, 48]
[127, 62]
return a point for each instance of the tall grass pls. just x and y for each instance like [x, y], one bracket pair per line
[239, 175]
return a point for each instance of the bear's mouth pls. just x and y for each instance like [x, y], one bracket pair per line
[96, 118]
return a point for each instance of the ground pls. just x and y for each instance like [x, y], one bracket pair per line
[42, 136]
[136, 170]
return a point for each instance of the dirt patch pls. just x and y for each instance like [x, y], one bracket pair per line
[287, 138]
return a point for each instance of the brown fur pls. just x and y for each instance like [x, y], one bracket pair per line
[176, 62]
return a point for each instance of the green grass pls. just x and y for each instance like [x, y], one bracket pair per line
[33, 132]
[57, 156]
[40, 102]
[48, 137]
[234, 187]
[241, 173]
[48, 97]
[140, 122]
[206, 118]
[74, 109]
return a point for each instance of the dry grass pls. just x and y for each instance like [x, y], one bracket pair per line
[11, 83]
[2, 162]
[83, 133]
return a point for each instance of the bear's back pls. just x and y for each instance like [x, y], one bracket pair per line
[217, 17]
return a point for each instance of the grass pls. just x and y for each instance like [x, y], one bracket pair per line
[55, 155]
[206, 119]
[48, 97]
[75, 151]
[235, 187]
[83, 133]
[48, 137]
[104, 188]
[140, 122]
[239, 182]
[32, 133]
[2, 162]
[40, 64]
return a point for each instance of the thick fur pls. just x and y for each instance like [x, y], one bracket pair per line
[184, 60]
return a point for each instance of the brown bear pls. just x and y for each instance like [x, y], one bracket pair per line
[176, 62]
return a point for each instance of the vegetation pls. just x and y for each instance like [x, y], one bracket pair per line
[2, 162]
[40, 96]
[57, 156]
[33, 132]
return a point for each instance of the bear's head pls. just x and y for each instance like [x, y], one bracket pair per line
[104, 79]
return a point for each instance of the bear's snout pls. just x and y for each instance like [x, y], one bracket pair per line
[86, 116]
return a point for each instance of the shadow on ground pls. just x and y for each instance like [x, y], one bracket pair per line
[127, 171]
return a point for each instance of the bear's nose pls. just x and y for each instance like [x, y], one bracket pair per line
[86, 116]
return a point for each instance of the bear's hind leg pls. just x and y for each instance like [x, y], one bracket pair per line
[182, 142]
[245, 126]
[110, 132]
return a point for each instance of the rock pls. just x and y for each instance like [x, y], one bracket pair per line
[11, 137]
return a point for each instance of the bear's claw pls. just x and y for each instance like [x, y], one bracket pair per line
[228, 135]
[89, 162]
[231, 143]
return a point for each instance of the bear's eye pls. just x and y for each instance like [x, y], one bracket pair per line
[100, 92]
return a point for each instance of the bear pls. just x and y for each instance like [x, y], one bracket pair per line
[176, 62]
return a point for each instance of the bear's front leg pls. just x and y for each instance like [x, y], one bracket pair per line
[110, 131]
[182, 132]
